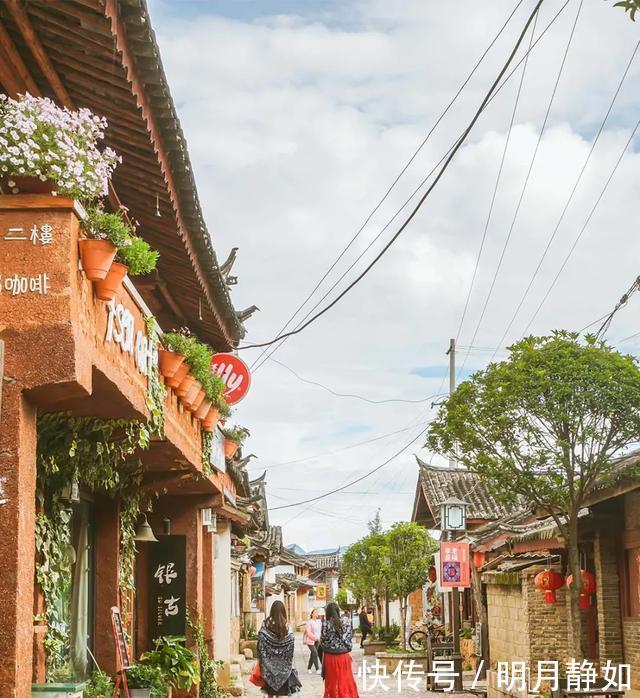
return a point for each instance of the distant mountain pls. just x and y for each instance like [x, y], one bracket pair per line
[294, 547]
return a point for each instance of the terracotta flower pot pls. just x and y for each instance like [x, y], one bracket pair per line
[26, 185]
[184, 386]
[97, 257]
[193, 407]
[203, 410]
[107, 288]
[177, 378]
[230, 448]
[210, 422]
[169, 362]
[192, 393]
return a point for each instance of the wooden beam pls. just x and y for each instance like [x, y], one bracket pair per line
[21, 72]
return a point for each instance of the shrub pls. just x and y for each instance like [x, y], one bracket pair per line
[100, 686]
[176, 660]
[148, 676]
[138, 256]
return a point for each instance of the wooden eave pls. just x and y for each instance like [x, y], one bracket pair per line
[102, 54]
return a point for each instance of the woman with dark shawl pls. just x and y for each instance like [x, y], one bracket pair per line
[275, 654]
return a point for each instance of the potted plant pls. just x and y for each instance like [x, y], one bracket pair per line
[134, 258]
[99, 685]
[178, 663]
[233, 439]
[47, 148]
[199, 358]
[105, 234]
[208, 411]
[146, 681]
[176, 346]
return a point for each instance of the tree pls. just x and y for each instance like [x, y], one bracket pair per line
[544, 426]
[375, 525]
[410, 549]
[630, 6]
[363, 568]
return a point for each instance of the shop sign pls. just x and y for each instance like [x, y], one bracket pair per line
[235, 375]
[121, 330]
[321, 592]
[118, 636]
[216, 455]
[21, 284]
[168, 581]
[454, 558]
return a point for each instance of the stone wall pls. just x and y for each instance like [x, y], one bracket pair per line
[507, 623]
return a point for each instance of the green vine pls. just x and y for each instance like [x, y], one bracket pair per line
[99, 454]
[156, 391]
[207, 447]
[209, 667]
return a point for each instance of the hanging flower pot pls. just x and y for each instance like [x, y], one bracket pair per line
[198, 400]
[185, 385]
[203, 410]
[169, 362]
[107, 288]
[177, 378]
[97, 257]
[549, 581]
[191, 394]
[230, 448]
[210, 422]
[26, 185]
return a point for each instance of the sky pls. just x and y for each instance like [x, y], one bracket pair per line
[300, 114]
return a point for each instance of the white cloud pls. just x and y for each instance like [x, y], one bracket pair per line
[296, 125]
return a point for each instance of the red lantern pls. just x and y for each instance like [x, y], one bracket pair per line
[432, 574]
[549, 581]
[587, 590]
[478, 559]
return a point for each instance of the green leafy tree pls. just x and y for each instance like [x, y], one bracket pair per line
[364, 569]
[544, 426]
[410, 548]
[630, 6]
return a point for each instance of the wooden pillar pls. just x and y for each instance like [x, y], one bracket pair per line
[208, 587]
[17, 551]
[107, 548]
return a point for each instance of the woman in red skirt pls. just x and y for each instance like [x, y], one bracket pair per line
[336, 640]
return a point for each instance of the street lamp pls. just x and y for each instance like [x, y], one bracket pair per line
[453, 518]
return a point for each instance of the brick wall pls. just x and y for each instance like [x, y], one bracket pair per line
[608, 599]
[632, 509]
[631, 626]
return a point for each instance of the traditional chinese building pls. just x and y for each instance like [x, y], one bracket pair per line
[72, 372]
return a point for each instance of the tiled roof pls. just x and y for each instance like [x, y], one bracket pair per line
[439, 484]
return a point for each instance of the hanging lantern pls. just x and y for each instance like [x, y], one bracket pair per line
[478, 559]
[432, 574]
[548, 581]
[587, 590]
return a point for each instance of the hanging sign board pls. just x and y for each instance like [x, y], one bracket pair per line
[321, 592]
[167, 574]
[235, 375]
[118, 636]
[454, 560]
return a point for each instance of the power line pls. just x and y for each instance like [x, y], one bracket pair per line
[584, 227]
[490, 212]
[568, 203]
[635, 286]
[422, 199]
[354, 482]
[352, 395]
[398, 176]
[339, 450]
[415, 191]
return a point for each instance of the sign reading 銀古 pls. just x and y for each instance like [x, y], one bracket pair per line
[454, 561]
[167, 574]
[235, 375]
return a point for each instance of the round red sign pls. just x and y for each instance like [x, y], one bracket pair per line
[235, 375]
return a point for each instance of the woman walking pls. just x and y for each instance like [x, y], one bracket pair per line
[311, 639]
[336, 642]
[275, 654]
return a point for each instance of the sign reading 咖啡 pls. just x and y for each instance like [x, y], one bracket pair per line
[121, 329]
[167, 572]
[20, 284]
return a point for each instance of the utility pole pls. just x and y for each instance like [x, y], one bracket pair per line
[452, 381]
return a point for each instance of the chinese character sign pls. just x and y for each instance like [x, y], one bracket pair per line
[321, 592]
[167, 578]
[454, 560]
